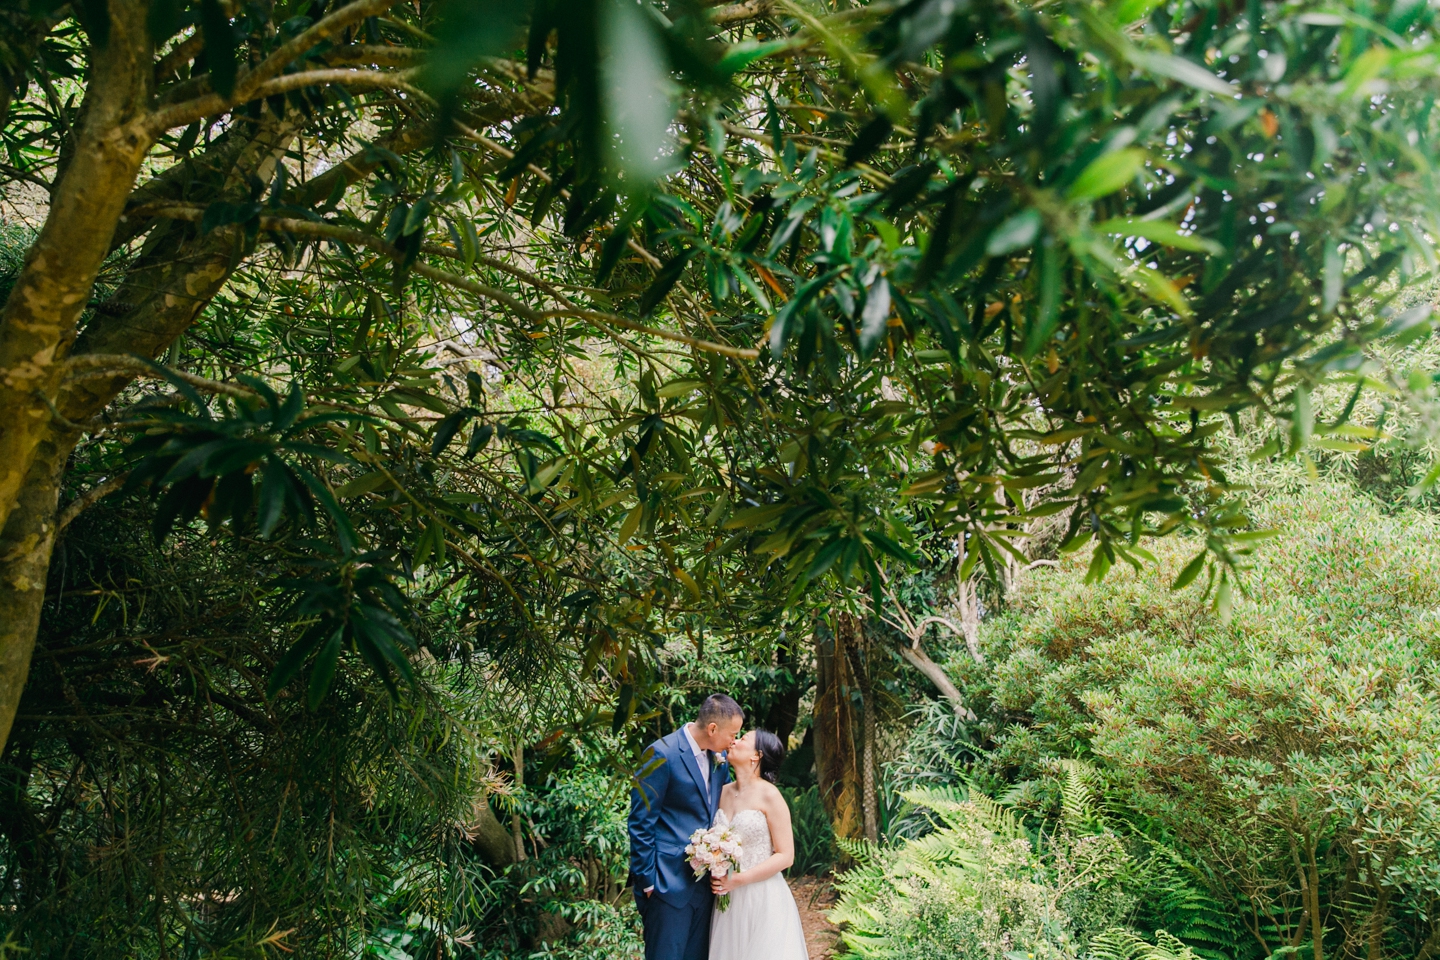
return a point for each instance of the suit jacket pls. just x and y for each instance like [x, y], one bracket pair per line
[668, 804]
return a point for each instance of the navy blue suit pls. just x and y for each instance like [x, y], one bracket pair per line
[670, 803]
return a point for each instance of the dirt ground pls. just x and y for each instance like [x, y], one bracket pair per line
[814, 896]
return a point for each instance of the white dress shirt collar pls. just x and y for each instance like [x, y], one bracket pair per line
[701, 759]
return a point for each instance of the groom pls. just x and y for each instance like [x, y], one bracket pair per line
[678, 792]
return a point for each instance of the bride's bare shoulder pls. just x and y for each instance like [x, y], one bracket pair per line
[771, 793]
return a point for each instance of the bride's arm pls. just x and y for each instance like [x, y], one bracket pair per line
[782, 841]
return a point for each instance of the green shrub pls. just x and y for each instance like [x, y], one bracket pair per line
[1291, 754]
[976, 888]
[814, 838]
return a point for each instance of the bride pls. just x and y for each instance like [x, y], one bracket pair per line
[762, 920]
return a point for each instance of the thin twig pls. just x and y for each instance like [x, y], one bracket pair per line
[89, 365]
[88, 499]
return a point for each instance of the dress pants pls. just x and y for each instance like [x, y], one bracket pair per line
[675, 933]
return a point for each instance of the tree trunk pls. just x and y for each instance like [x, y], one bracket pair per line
[785, 711]
[490, 837]
[516, 829]
[859, 653]
[25, 547]
[836, 763]
[165, 291]
[38, 323]
[967, 603]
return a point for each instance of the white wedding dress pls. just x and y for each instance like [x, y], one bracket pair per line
[762, 922]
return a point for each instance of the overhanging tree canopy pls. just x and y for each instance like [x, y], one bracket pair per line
[852, 273]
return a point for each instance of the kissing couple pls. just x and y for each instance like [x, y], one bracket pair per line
[707, 775]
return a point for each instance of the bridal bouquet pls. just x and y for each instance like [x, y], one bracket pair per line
[716, 851]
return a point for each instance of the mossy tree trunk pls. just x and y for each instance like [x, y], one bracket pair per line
[837, 761]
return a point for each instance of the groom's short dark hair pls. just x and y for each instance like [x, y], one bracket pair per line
[717, 707]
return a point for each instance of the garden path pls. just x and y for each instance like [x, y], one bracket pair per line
[814, 896]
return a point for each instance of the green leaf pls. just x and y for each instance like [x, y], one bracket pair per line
[874, 316]
[868, 139]
[1223, 599]
[344, 532]
[824, 558]
[1334, 282]
[273, 489]
[430, 545]
[479, 438]
[468, 30]
[292, 660]
[1016, 233]
[618, 242]
[738, 56]
[891, 547]
[1408, 325]
[630, 524]
[446, 429]
[1158, 231]
[1192, 570]
[323, 672]
[664, 281]
[371, 481]
[1184, 71]
[1129, 11]
[1302, 418]
[635, 75]
[1107, 173]
[755, 516]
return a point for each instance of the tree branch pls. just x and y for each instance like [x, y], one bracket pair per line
[376, 55]
[916, 657]
[105, 364]
[190, 111]
[88, 499]
[325, 28]
[360, 238]
[15, 173]
[734, 13]
[180, 54]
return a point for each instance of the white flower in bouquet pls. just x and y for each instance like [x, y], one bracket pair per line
[715, 851]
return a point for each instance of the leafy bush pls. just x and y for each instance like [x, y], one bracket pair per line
[1291, 754]
[814, 838]
[976, 888]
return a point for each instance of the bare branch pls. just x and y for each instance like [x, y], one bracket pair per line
[188, 112]
[104, 364]
[376, 55]
[709, 346]
[88, 499]
[16, 173]
[179, 55]
[322, 30]
[936, 675]
[734, 13]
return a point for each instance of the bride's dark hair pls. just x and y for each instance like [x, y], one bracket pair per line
[772, 754]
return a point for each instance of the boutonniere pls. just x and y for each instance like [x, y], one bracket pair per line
[717, 760]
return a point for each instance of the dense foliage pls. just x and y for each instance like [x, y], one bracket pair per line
[406, 410]
[1283, 761]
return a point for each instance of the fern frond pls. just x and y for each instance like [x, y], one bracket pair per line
[1119, 943]
[1078, 791]
[862, 851]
